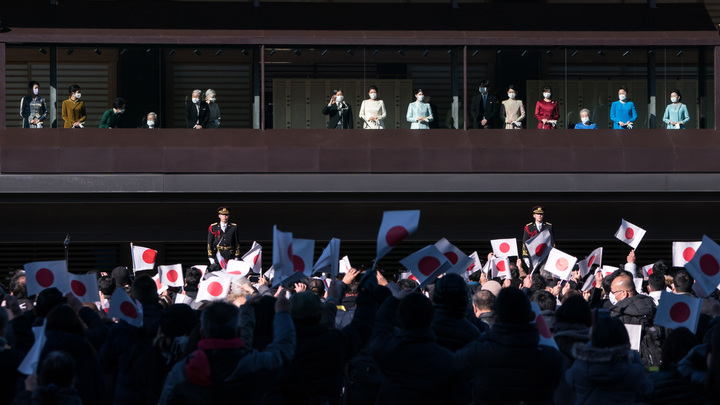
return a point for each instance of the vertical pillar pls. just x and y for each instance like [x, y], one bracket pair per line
[256, 86]
[454, 87]
[262, 87]
[716, 78]
[465, 87]
[3, 86]
[702, 84]
[52, 105]
[652, 91]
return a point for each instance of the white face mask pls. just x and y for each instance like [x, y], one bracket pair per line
[547, 95]
[151, 123]
[612, 298]
[672, 99]
[373, 96]
[483, 90]
[585, 120]
[78, 95]
[36, 91]
[339, 99]
[212, 100]
[196, 100]
[121, 111]
[511, 96]
[420, 97]
[622, 97]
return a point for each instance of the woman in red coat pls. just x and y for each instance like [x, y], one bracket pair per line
[546, 110]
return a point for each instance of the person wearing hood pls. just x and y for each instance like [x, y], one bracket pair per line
[607, 371]
[451, 325]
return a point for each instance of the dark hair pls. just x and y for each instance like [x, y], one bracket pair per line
[318, 287]
[451, 291]
[145, 290]
[336, 91]
[64, 319]
[609, 332]
[18, 287]
[548, 88]
[512, 306]
[193, 276]
[178, 320]
[683, 281]
[660, 267]
[484, 299]
[676, 91]
[656, 281]
[574, 310]
[58, 368]
[512, 87]
[220, 321]
[32, 84]
[485, 83]
[415, 311]
[119, 103]
[538, 282]
[545, 300]
[4, 319]
[677, 345]
[419, 91]
[48, 299]
[623, 88]
[607, 284]
[264, 317]
[407, 284]
[106, 285]
[73, 88]
[372, 88]
[514, 271]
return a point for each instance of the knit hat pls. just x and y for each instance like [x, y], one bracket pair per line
[513, 306]
[305, 305]
[493, 286]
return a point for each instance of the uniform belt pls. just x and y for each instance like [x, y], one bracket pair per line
[225, 247]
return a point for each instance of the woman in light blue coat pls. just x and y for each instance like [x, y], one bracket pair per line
[676, 114]
[419, 113]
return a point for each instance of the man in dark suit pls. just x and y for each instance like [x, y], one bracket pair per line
[484, 107]
[339, 111]
[196, 111]
[534, 228]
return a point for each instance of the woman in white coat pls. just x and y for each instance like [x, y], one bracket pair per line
[372, 111]
[419, 113]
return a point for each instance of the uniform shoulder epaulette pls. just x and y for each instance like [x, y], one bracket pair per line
[529, 223]
[213, 224]
[233, 224]
[548, 223]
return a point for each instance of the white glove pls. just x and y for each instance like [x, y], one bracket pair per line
[629, 125]
[212, 261]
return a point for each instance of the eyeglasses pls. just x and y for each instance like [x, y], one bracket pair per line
[618, 292]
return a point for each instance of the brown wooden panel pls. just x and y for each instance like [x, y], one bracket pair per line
[647, 150]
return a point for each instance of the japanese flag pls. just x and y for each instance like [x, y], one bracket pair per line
[269, 274]
[240, 268]
[705, 265]
[42, 275]
[202, 268]
[589, 283]
[84, 287]
[213, 289]
[648, 270]
[303, 250]
[122, 307]
[608, 270]
[560, 264]
[329, 259]
[538, 247]
[221, 260]
[677, 311]
[29, 364]
[473, 267]
[459, 260]
[171, 275]
[161, 288]
[595, 257]
[504, 247]
[282, 255]
[143, 258]
[500, 267]
[630, 234]
[426, 264]
[683, 252]
[396, 226]
[546, 337]
[183, 299]
[344, 265]
[253, 257]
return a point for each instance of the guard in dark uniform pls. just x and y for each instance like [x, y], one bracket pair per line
[534, 228]
[223, 237]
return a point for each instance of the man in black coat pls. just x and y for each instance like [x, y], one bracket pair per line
[196, 111]
[340, 113]
[484, 107]
[223, 237]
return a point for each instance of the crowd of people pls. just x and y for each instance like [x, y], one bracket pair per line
[355, 340]
[202, 111]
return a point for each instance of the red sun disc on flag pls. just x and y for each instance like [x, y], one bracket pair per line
[172, 276]
[78, 288]
[504, 247]
[215, 289]
[540, 249]
[592, 259]
[395, 235]
[472, 266]
[452, 257]
[680, 312]
[428, 264]
[709, 265]
[501, 266]
[629, 233]
[298, 264]
[256, 259]
[688, 253]
[148, 256]
[542, 327]
[128, 309]
[562, 264]
[44, 277]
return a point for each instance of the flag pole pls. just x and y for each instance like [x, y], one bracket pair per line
[132, 256]
[66, 243]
